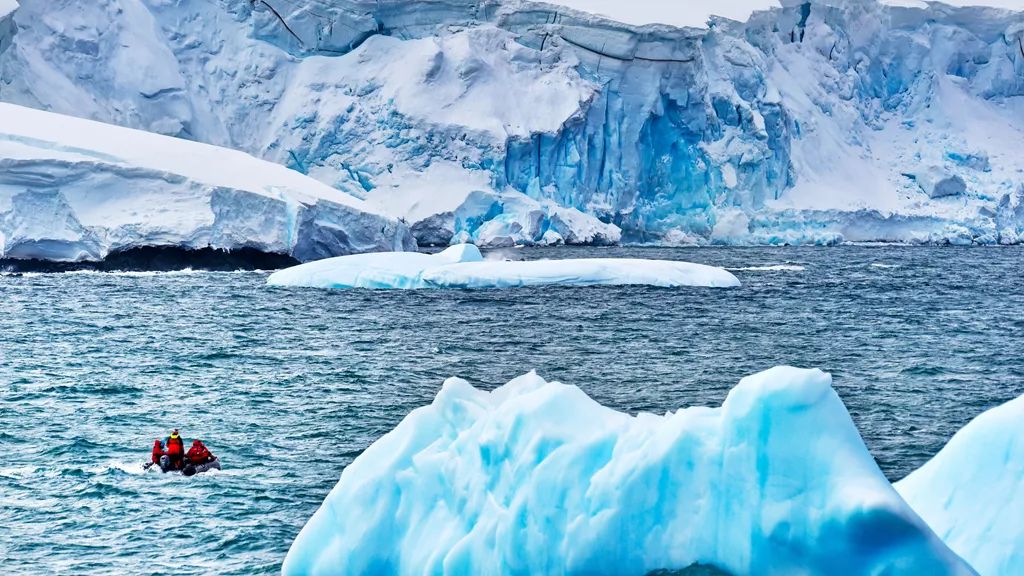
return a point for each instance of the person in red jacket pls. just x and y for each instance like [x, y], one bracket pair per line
[198, 453]
[199, 459]
[175, 451]
[158, 451]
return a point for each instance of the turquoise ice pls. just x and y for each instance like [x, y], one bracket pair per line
[972, 492]
[537, 478]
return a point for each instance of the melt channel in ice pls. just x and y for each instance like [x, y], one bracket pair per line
[537, 478]
[462, 266]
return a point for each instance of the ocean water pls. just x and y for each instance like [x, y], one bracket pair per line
[287, 386]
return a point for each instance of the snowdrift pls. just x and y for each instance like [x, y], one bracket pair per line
[74, 190]
[972, 492]
[462, 266]
[537, 478]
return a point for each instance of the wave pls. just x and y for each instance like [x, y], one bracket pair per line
[770, 268]
[134, 468]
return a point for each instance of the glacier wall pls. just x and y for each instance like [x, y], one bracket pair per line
[821, 121]
[537, 478]
[75, 190]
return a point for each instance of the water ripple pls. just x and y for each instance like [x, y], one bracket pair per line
[289, 386]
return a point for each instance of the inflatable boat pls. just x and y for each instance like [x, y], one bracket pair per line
[189, 469]
[193, 469]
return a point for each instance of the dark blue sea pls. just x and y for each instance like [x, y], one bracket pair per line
[287, 386]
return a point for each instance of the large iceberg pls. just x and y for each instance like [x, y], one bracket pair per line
[537, 478]
[808, 122]
[462, 266]
[972, 492]
[73, 190]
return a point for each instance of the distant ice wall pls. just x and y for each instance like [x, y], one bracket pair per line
[73, 190]
[818, 122]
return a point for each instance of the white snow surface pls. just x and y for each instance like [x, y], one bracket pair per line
[972, 492]
[403, 270]
[462, 266]
[578, 272]
[690, 13]
[537, 478]
[7, 7]
[697, 13]
[73, 189]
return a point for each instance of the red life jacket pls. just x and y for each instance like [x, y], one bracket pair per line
[199, 454]
[158, 451]
[175, 448]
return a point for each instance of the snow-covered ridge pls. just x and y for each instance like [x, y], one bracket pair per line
[73, 189]
[972, 492]
[824, 121]
[537, 478]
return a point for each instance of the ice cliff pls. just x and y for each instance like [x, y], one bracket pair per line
[817, 121]
[73, 190]
[972, 492]
[537, 478]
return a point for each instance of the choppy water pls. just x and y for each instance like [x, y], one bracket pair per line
[288, 386]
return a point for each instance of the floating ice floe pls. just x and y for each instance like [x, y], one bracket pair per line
[462, 266]
[972, 492]
[537, 478]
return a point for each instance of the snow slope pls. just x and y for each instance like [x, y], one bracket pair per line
[537, 478]
[462, 266]
[812, 122]
[972, 492]
[73, 189]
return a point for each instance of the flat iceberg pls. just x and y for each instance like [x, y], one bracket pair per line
[462, 266]
[972, 492]
[578, 272]
[537, 478]
[74, 190]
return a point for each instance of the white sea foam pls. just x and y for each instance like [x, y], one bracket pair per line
[770, 268]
